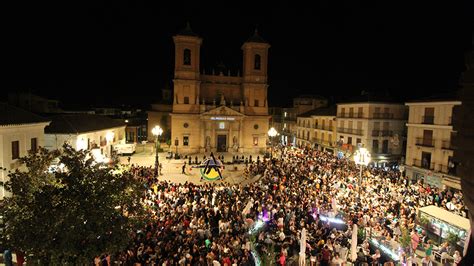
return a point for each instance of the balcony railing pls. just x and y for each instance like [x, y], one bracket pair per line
[425, 165]
[446, 144]
[425, 142]
[383, 115]
[350, 131]
[382, 133]
[381, 151]
[351, 115]
[427, 120]
[325, 127]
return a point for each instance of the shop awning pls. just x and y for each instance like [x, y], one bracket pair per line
[447, 216]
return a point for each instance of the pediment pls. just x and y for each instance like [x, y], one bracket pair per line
[222, 111]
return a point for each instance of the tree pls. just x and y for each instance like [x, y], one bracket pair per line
[70, 216]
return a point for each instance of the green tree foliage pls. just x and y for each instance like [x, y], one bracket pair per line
[70, 216]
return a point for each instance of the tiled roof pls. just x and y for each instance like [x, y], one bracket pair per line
[11, 115]
[326, 111]
[80, 123]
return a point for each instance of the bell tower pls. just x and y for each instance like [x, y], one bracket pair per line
[186, 71]
[255, 67]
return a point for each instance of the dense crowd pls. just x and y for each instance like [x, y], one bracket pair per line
[211, 224]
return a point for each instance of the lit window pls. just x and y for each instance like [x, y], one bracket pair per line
[255, 141]
[285, 114]
[221, 125]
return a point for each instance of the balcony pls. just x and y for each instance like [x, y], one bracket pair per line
[446, 144]
[350, 115]
[427, 120]
[425, 142]
[425, 165]
[382, 133]
[381, 151]
[352, 131]
[383, 116]
[446, 169]
[325, 127]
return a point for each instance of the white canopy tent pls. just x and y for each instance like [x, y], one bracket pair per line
[446, 216]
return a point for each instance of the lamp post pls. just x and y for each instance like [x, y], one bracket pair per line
[361, 157]
[109, 137]
[272, 133]
[157, 131]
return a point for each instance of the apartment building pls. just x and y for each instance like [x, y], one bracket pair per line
[324, 128]
[376, 125]
[20, 132]
[429, 154]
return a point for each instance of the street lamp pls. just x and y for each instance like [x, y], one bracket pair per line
[109, 137]
[272, 133]
[157, 131]
[361, 157]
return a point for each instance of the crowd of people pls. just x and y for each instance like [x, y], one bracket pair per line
[211, 224]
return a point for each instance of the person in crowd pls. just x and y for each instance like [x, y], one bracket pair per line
[208, 224]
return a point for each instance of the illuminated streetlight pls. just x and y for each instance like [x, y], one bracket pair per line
[157, 131]
[272, 133]
[361, 157]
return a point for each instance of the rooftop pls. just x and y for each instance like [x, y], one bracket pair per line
[326, 111]
[11, 115]
[80, 123]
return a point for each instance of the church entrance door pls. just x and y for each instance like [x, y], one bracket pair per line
[221, 143]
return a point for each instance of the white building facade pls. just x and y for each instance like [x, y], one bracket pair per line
[20, 132]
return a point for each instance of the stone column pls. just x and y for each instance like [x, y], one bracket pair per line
[213, 136]
[203, 135]
[230, 138]
[241, 135]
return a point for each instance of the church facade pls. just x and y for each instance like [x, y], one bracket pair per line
[219, 112]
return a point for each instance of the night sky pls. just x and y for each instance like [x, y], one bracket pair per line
[122, 53]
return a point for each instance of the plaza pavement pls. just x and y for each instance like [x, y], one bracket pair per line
[172, 168]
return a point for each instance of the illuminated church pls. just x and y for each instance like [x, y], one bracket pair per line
[219, 112]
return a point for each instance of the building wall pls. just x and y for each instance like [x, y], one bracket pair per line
[383, 122]
[324, 131]
[439, 146]
[23, 134]
[80, 141]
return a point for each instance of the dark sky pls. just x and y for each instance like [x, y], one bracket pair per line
[122, 52]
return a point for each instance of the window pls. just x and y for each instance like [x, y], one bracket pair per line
[185, 140]
[285, 114]
[221, 125]
[257, 62]
[349, 140]
[255, 141]
[255, 126]
[358, 141]
[185, 125]
[34, 144]
[375, 146]
[187, 57]
[256, 103]
[186, 100]
[15, 150]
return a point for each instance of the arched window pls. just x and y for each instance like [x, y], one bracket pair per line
[187, 57]
[257, 62]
